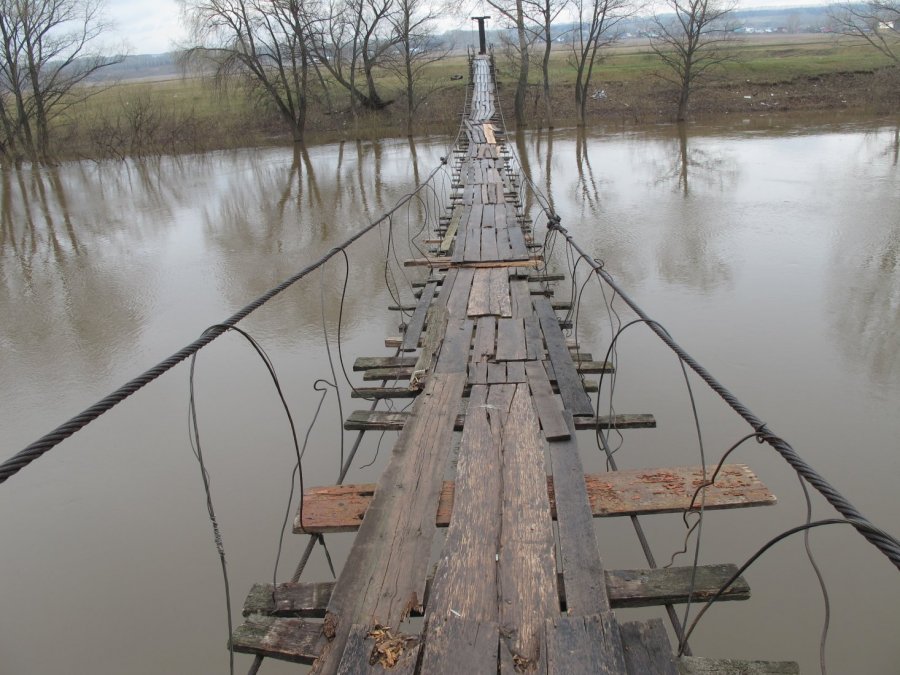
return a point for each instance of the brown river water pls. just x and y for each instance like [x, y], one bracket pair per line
[770, 250]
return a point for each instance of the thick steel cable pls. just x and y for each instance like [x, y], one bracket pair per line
[884, 542]
[46, 443]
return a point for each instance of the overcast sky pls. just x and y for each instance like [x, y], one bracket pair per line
[153, 27]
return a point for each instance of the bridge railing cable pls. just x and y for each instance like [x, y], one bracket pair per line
[49, 441]
[883, 541]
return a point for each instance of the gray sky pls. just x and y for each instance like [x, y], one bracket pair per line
[152, 27]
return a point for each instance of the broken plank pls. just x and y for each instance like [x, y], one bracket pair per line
[629, 492]
[575, 400]
[500, 293]
[552, 421]
[417, 322]
[480, 295]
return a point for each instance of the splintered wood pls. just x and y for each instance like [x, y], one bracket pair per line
[518, 585]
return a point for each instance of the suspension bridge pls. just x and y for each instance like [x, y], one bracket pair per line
[489, 450]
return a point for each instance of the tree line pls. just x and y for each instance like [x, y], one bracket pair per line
[286, 51]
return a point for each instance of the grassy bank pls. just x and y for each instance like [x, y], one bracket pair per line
[769, 75]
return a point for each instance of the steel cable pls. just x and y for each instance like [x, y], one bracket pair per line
[46, 443]
[883, 541]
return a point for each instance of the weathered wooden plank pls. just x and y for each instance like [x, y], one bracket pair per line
[404, 308]
[378, 650]
[485, 336]
[617, 493]
[370, 362]
[458, 645]
[575, 400]
[462, 232]
[458, 294]
[499, 293]
[489, 243]
[672, 585]
[552, 421]
[701, 665]
[417, 322]
[504, 250]
[478, 373]
[454, 353]
[584, 644]
[517, 243]
[625, 588]
[393, 546]
[294, 640]
[452, 228]
[496, 373]
[647, 648]
[582, 568]
[587, 366]
[473, 234]
[511, 340]
[520, 299]
[383, 392]
[403, 373]
[526, 568]
[463, 596]
[534, 340]
[384, 420]
[480, 295]
[515, 372]
[431, 345]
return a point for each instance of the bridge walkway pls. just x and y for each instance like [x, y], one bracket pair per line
[519, 585]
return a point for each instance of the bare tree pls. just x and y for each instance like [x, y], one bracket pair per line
[514, 12]
[596, 26]
[415, 49]
[260, 40]
[45, 53]
[543, 14]
[353, 35]
[877, 22]
[690, 40]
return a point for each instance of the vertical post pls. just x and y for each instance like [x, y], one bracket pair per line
[482, 40]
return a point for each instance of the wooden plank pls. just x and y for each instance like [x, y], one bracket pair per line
[458, 645]
[480, 295]
[672, 585]
[511, 340]
[417, 322]
[526, 568]
[496, 373]
[584, 644]
[454, 353]
[515, 372]
[504, 249]
[463, 596]
[452, 228]
[575, 400]
[473, 235]
[383, 420]
[587, 366]
[379, 650]
[701, 665]
[618, 493]
[459, 246]
[383, 392]
[552, 421]
[485, 336]
[647, 648]
[517, 243]
[403, 373]
[458, 293]
[625, 588]
[393, 546]
[294, 640]
[582, 568]
[534, 340]
[520, 299]
[431, 345]
[499, 293]
[370, 362]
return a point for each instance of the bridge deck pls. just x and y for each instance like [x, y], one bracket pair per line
[519, 586]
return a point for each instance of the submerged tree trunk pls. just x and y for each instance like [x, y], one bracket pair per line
[522, 85]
